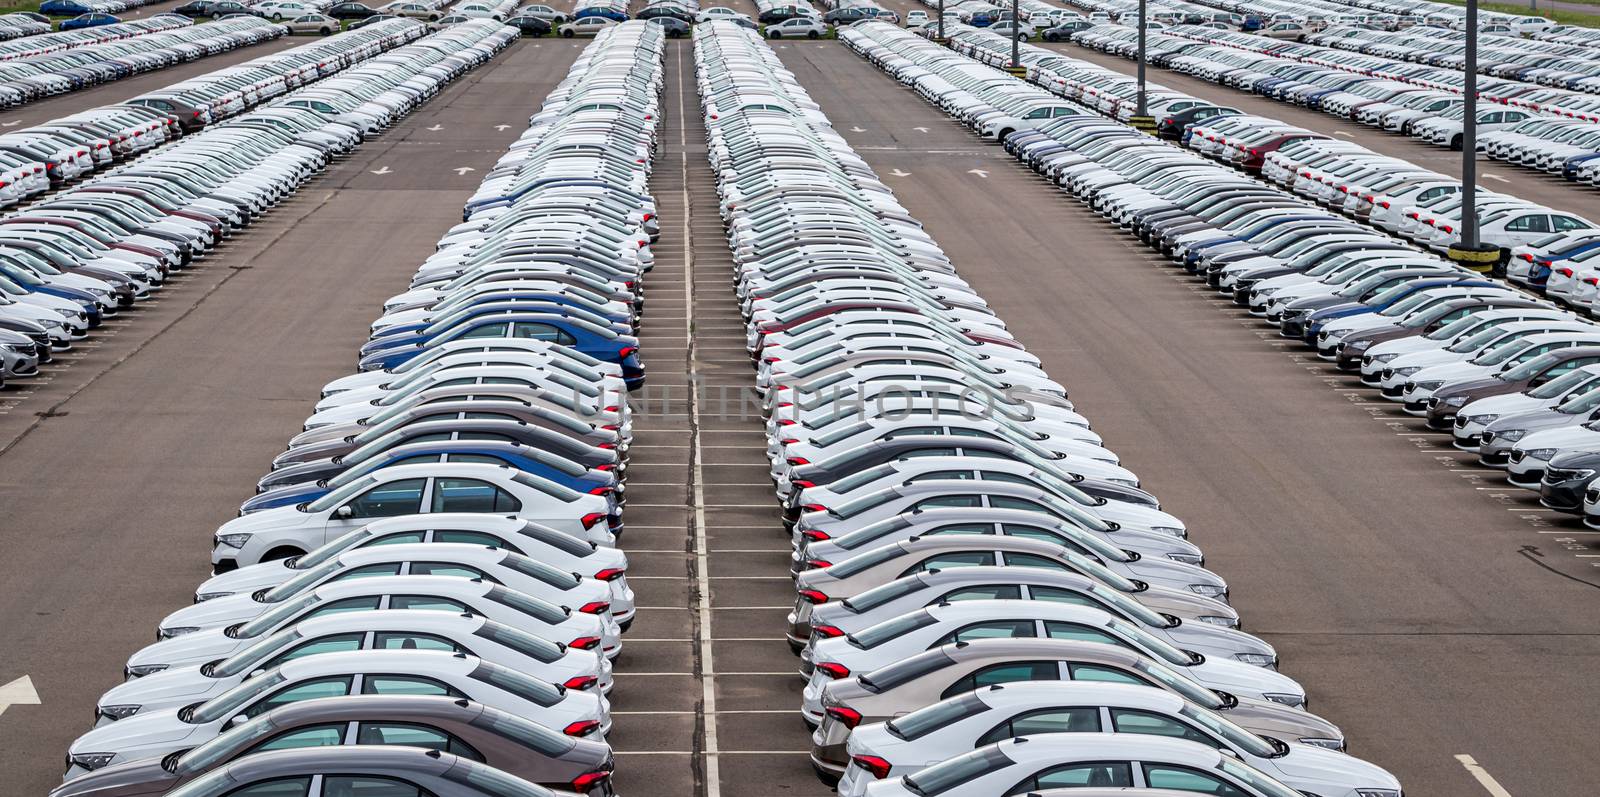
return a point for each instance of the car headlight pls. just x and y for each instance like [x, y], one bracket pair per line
[1584, 474]
[19, 348]
[1360, 345]
[1430, 385]
[1383, 358]
[1208, 590]
[1327, 744]
[1511, 435]
[180, 630]
[91, 760]
[1225, 622]
[1170, 531]
[1378, 792]
[1408, 370]
[1541, 453]
[1295, 701]
[1256, 659]
[1187, 558]
[119, 712]
[206, 596]
[1481, 419]
[233, 540]
[1455, 401]
[141, 670]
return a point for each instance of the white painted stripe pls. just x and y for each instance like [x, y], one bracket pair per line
[1485, 780]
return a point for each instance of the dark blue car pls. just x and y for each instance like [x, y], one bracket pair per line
[560, 328]
[1383, 301]
[92, 20]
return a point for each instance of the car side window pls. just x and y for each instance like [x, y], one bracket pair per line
[367, 571]
[1059, 595]
[1127, 720]
[992, 629]
[948, 501]
[536, 331]
[1567, 223]
[280, 787]
[474, 538]
[1106, 774]
[1033, 560]
[1010, 672]
[402, 497]
[1047, 720]
[412, 735]
[313, 736]
[428, 603]
[487, 331]
[963, 559]
[1170, 776]
[940, 475]
[472, 495]
[407, 640]
[1081, 633]
[1110, 675]
[398, 538]
[963, 528]
[406, 685]
[337, 643]
[982, 593]
[337, 686]
[447, 569]
[369, 786]
[1535, 222]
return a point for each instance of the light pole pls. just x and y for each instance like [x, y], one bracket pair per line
[1470, 252]
[1141, 119]
[941, 21]
[1016, 32]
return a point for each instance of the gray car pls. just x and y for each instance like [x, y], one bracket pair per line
[426, 771]
[953, 669]
[507, 742]
[1501, 435]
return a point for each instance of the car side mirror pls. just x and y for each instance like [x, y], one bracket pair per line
[238, 719]
[1229, 752]
[343, 512]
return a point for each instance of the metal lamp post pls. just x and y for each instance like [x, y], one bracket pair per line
[1141, 119]
[1016, 32]
[1470, 252]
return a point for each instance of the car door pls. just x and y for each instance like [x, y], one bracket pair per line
[385, 499]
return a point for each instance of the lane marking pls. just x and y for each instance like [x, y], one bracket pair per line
[1495, 177]
[1482, 775]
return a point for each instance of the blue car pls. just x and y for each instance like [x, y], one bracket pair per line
[325, 476]
[1383, 301]
[600, 11]
[560, 328]
[93, 20]
[526, 302]
[64, 8]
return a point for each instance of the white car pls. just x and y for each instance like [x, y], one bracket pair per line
[587, 26]
[412, 672]
[363, 630]
[959, 725]
[407, 490]
[797, 28]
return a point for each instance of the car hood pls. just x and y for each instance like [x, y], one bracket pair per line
[142, 778]
[247, 579]
[1419, 358]
[1505, 404]
[213, 613]
[1563, 438]
[168, 689]
[1244, 679]
[1307, 768]
[1280, 722]
[189, 649]
[1473, 388]
[1452, 372]
[359, 380]
[1534, 421]
[277, 517]
[140, 732]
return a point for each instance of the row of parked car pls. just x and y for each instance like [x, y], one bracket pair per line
[987, 601]
[66, 40]
[90, 251]
[16, 26]
[26, 78]
[487, 506]
[72, 8]
[1509, 375]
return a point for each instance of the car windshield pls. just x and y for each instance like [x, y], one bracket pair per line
[1255, 778]
[224, 705]
[1580, 403]
[275, 616]
[1231, 733]
[1405, 305]
[1130, 607]
[945, 776]
[871, 532]
[1476, 340]
[1150, 643]
[1500, 352]
[864, 561]
[860, 479]
[250, 656]
[1531, 366]
[894, 628]
[332, 548]
[1562, 385]
[1456, 328]
[224, 746]
[301, 581]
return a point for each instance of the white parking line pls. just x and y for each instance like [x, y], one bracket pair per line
[1485, 780]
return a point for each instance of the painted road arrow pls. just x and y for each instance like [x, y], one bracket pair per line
[464, 169]
[899, 173]
[384, 170]
[979, 172]
[18, 693]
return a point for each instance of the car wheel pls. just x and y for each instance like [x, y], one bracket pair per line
[772, 34]
[1455, 143]
[567, 34]
[812, 35]
[326, 31]
[281, 552]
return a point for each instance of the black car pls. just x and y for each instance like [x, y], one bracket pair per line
[33, 15]
[1064, 31]
[223, 8]
[530, 26]
[1566, 478]
[350, 11]
[666, 11]
[1172, 127]
[674, 27]
[194, 9]
[778, 14]
[847, 16]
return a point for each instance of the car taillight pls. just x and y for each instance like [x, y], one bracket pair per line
[600, 491]
[1526, 256]
[849, 716]
[610, 574]
[1565, 272]
[875, 766]
[833, 669]
[592, 519]
[626, 352]
[813, 596]
[1384, 205]
[581, 682]
[814, 535]
[605, 466]
[1447, 228]
[787, 422]
[798, 461]
[802, 483]
[815, 508]
[595, 607]
[581, 728]
[585, 643]
[827, 631]
[588, 780]
[818, 564]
